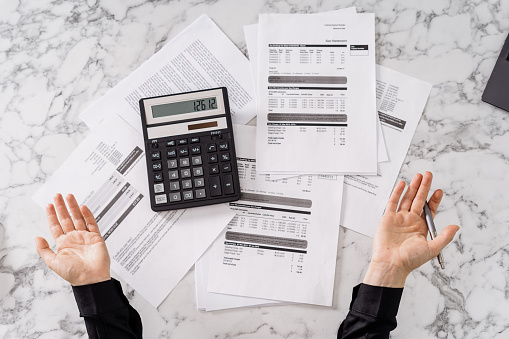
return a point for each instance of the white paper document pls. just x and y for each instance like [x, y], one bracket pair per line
[150, 251]
[282, 244]
[400, 102]
[200, 57]
[316, 87]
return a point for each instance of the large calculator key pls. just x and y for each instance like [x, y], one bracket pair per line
[170, 143]
[187, 184]
[215, 186]
[225, 156]
[223, 146]
[157, 166]
[158, 177]
[195, 140]
[226, 167]
[155, 155]
[214, 169]
[161, 199]
[199, 182]
[196, 149]
[182, 142]
[197, 171]
[172, 163]
[174, 185]
[158, 188]
[212, 158]
[175, 197]
[211, 148]
[184, 162]
[183, 151]
[196, 160]
[200, 193]
[185, 173]
[228, 184]
[188, 195]
[173, 174]
[171, 153]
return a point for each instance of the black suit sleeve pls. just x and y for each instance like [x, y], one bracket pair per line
[106, 311]
[372, 313]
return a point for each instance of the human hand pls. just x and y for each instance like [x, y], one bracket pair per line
[82, 257]
[400, 244]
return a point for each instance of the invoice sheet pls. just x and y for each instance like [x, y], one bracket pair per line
[282, 243]
[150, 251]
[316, 102]
[200, 57]
[400, 102]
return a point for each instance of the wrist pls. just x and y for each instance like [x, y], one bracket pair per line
[385, 275]
[91, 280]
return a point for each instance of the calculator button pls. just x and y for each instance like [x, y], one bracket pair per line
[182, 142]
[214, 169]
[185, 173]
[158, 188]
[212, 158]
[183, 151]
[188, 195]
[184, 162]
[215, 186]
[187, 184]
[173, 174]
[161, 199]
[172, 163]
[195, 140]
[226, 167]
[155, 155]
[225, 156]
[158, 177]
[171, 153]
[174, 185]
[199, 182]
[197, 171]
[196, 149]
[174, 196]
[154, 145]
[200, 193]
[157, 166]
[211, 148]
[228, 184]
[197, 160]
[223, 146]
[170, 143]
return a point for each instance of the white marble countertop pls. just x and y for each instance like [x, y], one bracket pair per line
[57, 57]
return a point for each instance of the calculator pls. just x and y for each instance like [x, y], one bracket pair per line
[190, 150]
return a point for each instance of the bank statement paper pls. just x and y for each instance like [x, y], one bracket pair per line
[282, 244]
[150, 251]
[316, 105]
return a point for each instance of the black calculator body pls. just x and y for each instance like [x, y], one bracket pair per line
[190, 149]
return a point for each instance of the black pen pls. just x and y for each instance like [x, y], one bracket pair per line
[432, 231]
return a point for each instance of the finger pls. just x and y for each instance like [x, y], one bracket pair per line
[422, 193]
[89, 217]
[392, 204]
[443, 239]
[434, 202]
[44, 251]
[79, 221]
[53, 224]
[409, 195]
[63, 214]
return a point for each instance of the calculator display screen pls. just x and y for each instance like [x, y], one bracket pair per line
[182, 107]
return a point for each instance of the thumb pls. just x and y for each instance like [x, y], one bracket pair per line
[443, 239]
[44, 251]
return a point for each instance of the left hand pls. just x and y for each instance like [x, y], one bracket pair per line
[82, 257]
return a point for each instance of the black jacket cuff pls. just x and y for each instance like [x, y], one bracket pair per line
[376, 301]
[99, 298]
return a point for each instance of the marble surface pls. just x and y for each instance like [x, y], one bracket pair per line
[57, 57]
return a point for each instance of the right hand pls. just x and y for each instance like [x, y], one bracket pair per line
[82, 257]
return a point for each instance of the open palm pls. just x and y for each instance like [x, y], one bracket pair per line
[82, 257]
